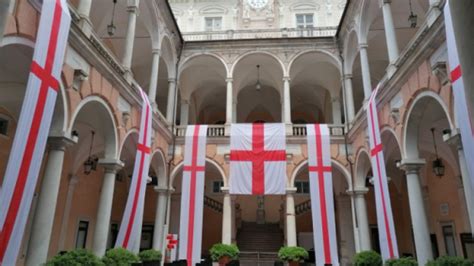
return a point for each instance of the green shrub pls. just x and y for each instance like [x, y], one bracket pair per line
[407, 261]
[450, 261]
[292, 254]
[119, 257]
[367, 258]
[150, 255]
[221, 250]
[76, 257]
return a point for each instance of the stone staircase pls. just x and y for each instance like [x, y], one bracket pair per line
[259, 243]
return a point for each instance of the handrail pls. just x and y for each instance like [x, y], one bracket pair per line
[213, 204]
[303, 207]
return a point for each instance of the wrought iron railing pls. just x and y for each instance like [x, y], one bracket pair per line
[213, 204]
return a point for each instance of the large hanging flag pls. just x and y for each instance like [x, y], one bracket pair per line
[322, 196]
[192, 194]
[130, 229]
[33, 126]
[257, 159]
[387, 237]
[461, 108]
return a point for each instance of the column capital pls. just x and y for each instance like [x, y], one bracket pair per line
[172, 80]
[156, 51]
[412, 166]
[111, 165]
[288, 79]
[132, 5]
[358, 191]
[162, 189]
[61, 142]
[363, 45]
[453, 137]
[347, 76]
[386, 1]
[229, 80]
[184, 101]
[291, 190]
[225, 190]
[73, 180]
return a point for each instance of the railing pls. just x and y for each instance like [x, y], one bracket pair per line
[257, 257]
[260, 34]
[212, 131]
[213, 204]
[335, 130]
[303, 207]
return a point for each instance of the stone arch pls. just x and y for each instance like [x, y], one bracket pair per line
[159, 166]
[129, 132]
[168, 54]
[412, 121]
[336, 164]
[178, 169]
[332, 58]
[362, 167]
[351, 50]
[185, 63]
[108, 123]
[244, 55]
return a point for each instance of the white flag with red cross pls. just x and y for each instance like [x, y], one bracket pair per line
[130, 228]
[463, 113]
[322, 195]
[387, 237]
[34, 123]
[257, 159]
[192, 194]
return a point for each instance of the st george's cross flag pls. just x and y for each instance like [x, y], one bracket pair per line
[192, 194]
[387, 237]
[257, 159]
[33, 126]
[321, 193]
[464, 115]
[130, 230]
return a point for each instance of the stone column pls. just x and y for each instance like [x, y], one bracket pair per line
[349, 98]
[417, 210]
[229, 106]
[362, 219]
[234, 111]
[290, 218]
[4, 8]
[84, 8]
[102, 225]
[132, 9]
[154, 77]
[184, 119]
[226, 217]
[364, 62]
[45, 210]
[234, 223]
[336, 110]
[171, 98]
[160, 218]
[73, 180]
[286, 101]
[390, 35]
[434, 12]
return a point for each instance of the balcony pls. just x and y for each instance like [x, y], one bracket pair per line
[260, 34]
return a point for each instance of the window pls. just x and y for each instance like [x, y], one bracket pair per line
[216, 186]
[213, 23]
[448, 235]
[147, 237]
[468, 245]
[302, 187]
[3, 126]
[81, 237]
[304, 20]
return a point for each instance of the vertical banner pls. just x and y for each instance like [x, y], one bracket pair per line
[461, 107]
[130, 229]
[322, 195]
[257, 159]
[33, 126]
[192, 194]
[387, 237]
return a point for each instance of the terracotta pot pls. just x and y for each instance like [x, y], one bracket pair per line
[224, 260]
[293, 263]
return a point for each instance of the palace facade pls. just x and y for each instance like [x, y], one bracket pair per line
[222, 62]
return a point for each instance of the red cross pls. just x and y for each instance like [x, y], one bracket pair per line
[47, 81]
[320, 169]
[194, 168]
[456, 74]
[375, 153]
[145, 151]
[258, 156]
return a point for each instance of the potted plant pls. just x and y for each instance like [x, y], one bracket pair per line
[120, 257]
[150, 257]
[224, 253]
[368, 258]
[406, 261]
[75, 257]
[292, 255]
